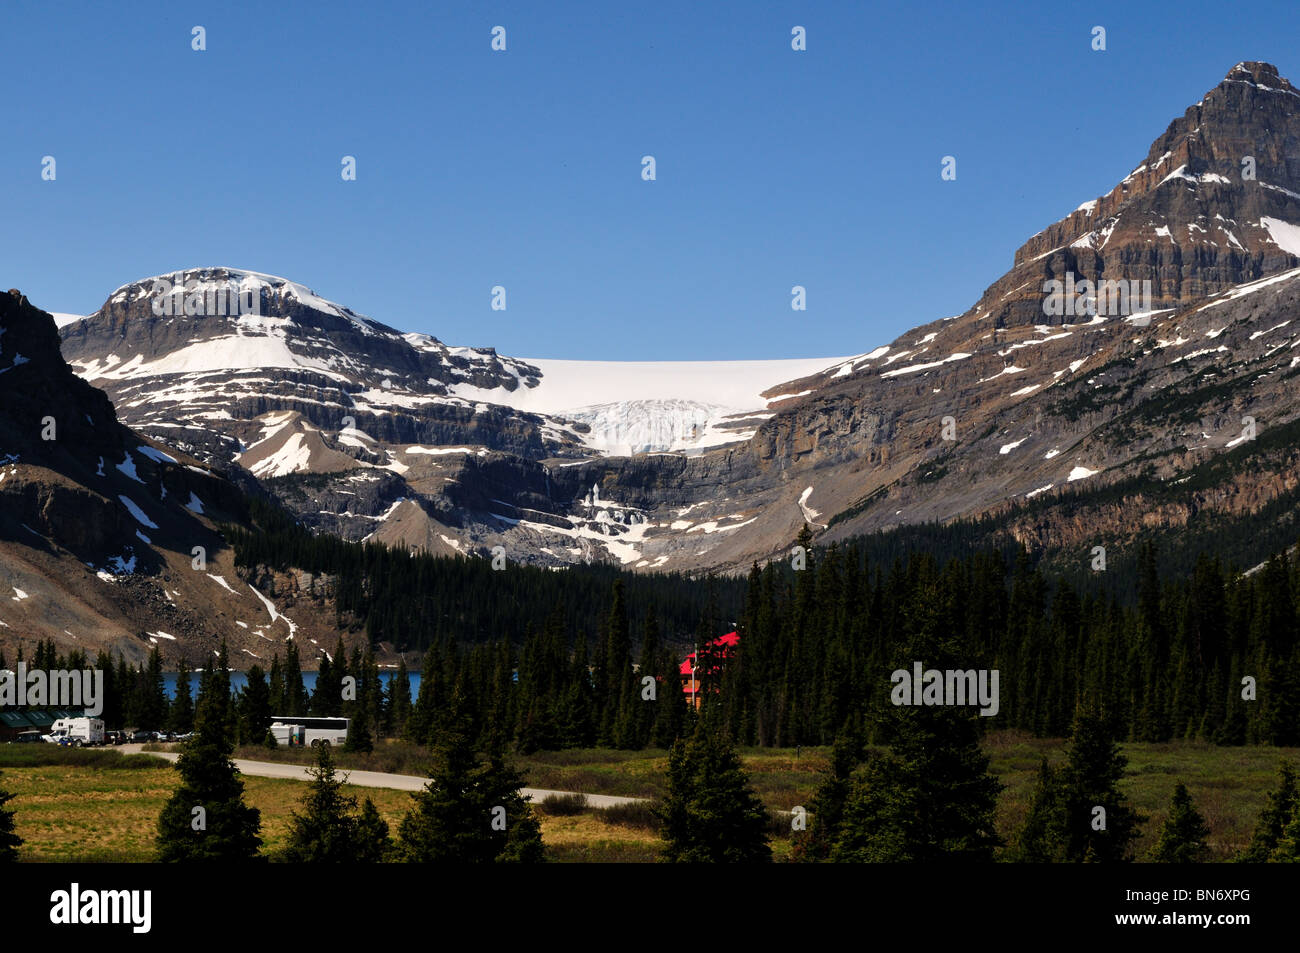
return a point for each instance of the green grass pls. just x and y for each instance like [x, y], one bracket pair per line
[90, 805]
[33, 755]
[782, 777]
[1228, 785]
[390, 756]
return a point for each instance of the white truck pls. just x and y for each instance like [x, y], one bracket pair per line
[76, 732]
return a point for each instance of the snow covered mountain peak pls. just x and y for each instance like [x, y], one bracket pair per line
[220, 291]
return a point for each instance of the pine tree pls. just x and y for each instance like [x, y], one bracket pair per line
[644, 711]
[710, 813]
[578, 724]
[827, 805]
[424, 714]
[1288, 843]
[327, 830]
[1090, 780]
[206, 818]
[1183, 835]
[399, 700]
[255, 709]
[295, 695]
[181, 716]
[153, 695]
[9, 841]
[457, 815]
[523, 834]
[358, 738]
[1041, 836]
[372, 696]
[327, 699]
[374, 845]
[275, 686]
[932, 797]
[1275, 817]
[670, 710]
[112, 712]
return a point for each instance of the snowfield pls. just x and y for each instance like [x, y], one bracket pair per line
[572, 385]
[649, 406]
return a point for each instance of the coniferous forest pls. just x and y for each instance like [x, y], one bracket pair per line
[542, 659]
[592, 656]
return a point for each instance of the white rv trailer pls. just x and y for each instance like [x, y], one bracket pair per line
[76, 732]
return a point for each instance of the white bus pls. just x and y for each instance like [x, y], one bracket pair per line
[297, 732]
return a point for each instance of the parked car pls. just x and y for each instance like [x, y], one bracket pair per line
[141, 736]
[28, 737]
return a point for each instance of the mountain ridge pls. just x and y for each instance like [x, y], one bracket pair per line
[1012, 399]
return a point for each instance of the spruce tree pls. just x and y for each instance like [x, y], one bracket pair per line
[425, 711]
[275, 685]
[457, 816]
[255, 709]
[326, 831]
[358, 738]
[9, 840]
[152, 705]
[206, 818]
[372, 708]
[327, 699]
[1275, 817]
[1288, 842]
[710, 813]
[932, 797]
[181, 717]
[670, 710]
[1041, 837]
[374, 845]
[1090, 780]
[1182, 836]
[295, 695]
[827, 805]
[399, 700]
[643, 713]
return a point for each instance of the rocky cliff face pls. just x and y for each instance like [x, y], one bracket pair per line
[107, 540]
[1015, 400]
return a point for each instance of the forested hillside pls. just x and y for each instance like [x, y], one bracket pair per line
[559, 659]
[416, 600]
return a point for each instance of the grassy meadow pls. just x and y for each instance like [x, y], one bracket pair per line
[92, 805]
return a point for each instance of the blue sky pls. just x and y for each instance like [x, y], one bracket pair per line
[523, 168]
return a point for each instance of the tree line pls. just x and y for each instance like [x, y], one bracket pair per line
[413, 601]
[1212, 657]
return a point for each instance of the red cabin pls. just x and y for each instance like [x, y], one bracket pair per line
[721, 649]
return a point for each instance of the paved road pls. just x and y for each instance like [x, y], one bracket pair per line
[372, 779]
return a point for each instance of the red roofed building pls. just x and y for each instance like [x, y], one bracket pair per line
[709, 669]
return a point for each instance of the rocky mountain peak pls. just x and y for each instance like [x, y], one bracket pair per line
[1258, 74]
[29, 334]
[49, 414]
